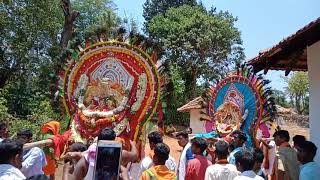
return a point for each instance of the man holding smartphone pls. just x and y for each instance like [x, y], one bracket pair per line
[84, 169]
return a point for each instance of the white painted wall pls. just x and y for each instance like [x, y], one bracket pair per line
[313, 52]
[195, 123]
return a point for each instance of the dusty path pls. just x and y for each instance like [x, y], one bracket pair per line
[175, 149]
[296, 130]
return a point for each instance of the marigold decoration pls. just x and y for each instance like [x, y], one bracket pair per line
[239, 101]
[110, 84]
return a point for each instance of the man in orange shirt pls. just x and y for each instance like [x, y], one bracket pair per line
[159, 171]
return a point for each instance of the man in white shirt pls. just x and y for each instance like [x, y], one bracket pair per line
[271, 149]
[155, 138]
[10, 160]
[245, 162]
[221, 170]
[33, 159]
[186, 154]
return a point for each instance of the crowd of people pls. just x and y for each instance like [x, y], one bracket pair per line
[201, 158]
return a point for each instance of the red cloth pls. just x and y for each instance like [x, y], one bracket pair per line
[50, 168]
[196, 168]
[58, 145]
[67, 134]
[59, 142]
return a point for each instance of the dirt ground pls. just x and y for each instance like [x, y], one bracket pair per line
[175, 149]
[296, 130]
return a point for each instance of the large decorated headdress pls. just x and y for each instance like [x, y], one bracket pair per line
[111, 83]
[239, 101]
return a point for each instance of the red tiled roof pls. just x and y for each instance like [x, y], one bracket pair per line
[313, 28]
[194, 104]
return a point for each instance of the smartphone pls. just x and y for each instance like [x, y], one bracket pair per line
[108, 159]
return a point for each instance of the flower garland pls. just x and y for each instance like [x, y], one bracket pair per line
[142, 99]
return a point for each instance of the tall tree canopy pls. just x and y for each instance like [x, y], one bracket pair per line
[33, 34]
[96, 15]
[28, 36]
[152, 8]
[203, 43]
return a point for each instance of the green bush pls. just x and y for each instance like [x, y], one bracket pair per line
[41, 113]
[3, 107]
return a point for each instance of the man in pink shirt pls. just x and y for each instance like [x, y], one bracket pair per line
[196, 168]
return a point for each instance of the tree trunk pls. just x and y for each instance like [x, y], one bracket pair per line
[3, 79]
[298, 106]
[194, 74]
[69, 18]
[66, 34]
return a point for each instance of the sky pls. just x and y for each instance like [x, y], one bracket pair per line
[262, 23]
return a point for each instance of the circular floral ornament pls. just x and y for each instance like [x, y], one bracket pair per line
[241, 101]
[110, 84]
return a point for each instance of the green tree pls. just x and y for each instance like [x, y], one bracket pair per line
[280, 98]
[27, 43]
[175, 96]
[29, 47]
[32, 36]
[3, 106]
[202, 43]
[96, 15]
[152, 8]
[298, 90]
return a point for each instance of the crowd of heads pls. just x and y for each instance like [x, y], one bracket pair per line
[161, 153]
[306, 151]
[245, 160]
[298, 140]
[107, 134]
[198, 145]
[238, 138]
[183, 138]
[221, 149]
[154, 138]
[11, 152]
[249, 158]
[281, 136]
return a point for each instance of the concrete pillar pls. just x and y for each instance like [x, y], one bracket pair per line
[195, 123]
[313, 53]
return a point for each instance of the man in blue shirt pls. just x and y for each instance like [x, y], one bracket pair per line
[238, 138]
[309, 170]
[33, 159]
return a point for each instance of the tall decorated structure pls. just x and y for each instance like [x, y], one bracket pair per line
[110, 83]
[240, 101]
